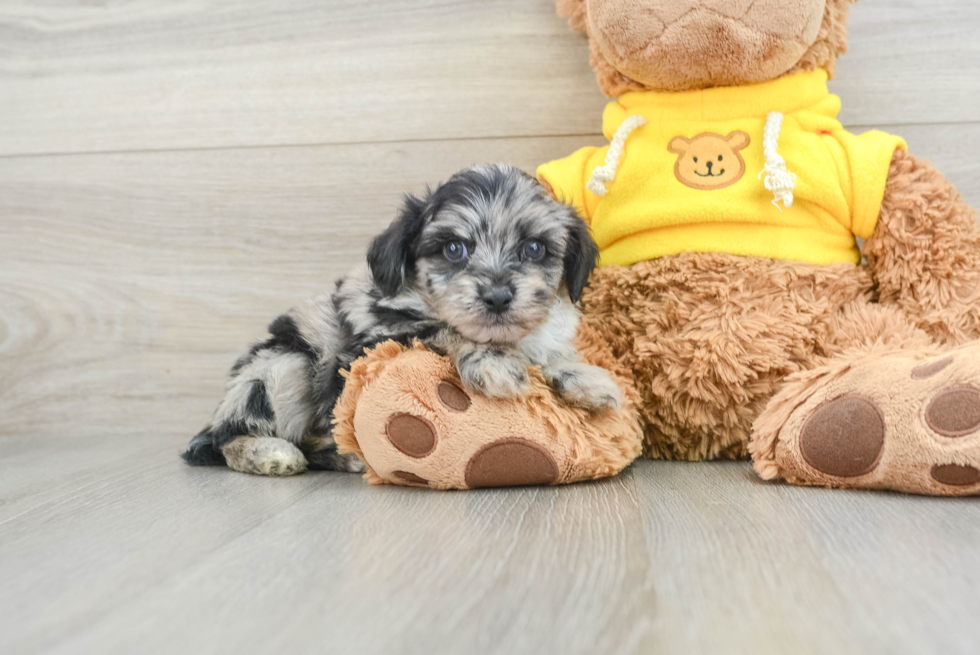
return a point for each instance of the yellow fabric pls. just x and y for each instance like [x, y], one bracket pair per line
[649, 211]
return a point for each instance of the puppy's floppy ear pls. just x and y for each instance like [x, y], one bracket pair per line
[581, 256]
[390, 254]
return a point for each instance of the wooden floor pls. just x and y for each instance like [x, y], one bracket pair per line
[173, 174]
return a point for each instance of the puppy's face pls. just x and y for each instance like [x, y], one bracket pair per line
[489, 251]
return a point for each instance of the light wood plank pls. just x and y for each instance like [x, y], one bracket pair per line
[154, 557]
[199, 74]
[911, 61]
[136, 76]
[131, 282]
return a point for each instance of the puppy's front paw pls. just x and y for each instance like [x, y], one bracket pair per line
[589, 387]
[498, 376]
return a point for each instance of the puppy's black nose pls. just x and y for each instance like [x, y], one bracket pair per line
[710, 164]
[497, 299]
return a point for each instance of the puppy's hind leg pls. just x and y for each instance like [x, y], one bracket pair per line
[265, 412]
[264, 456]
[321, 454]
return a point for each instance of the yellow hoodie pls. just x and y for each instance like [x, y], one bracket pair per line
[764, 170]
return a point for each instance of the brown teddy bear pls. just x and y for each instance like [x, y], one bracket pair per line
[731, 302]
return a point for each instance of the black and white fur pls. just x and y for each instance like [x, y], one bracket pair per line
[505, 305]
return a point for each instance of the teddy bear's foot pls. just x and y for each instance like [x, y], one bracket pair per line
[892, 422]
[407, 415]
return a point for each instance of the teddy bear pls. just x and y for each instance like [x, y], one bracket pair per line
[732, 304]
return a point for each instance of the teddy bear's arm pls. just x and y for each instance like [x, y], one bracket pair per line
[924, 253]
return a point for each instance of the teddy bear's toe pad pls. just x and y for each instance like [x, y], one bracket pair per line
[453, 397]
[511, 462]
[844, 437]
[413, 435]
[889, 423]
[955, 475]
[954, 412]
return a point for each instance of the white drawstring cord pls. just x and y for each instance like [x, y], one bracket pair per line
[779, 179]
[603, 175]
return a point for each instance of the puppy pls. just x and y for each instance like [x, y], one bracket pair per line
[483, 269]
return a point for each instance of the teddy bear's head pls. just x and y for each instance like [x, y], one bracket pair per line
[678, 45]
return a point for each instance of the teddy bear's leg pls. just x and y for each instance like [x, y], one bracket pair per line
[925, 252]
[894, 411]
[710, 337]
[406, 414]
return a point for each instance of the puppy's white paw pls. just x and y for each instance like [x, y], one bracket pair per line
[264, 456]
[495, 375]
[588, 387]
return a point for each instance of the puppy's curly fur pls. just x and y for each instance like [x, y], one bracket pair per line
[484, 269]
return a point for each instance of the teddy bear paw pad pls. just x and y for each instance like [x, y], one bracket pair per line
[954, 412]
[844, 437]
[412, 435]
[955, 475]
[452, 396]
[509, 463]
[891, 423]
[439, 436]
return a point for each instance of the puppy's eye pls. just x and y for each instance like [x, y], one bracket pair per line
[455, 251]
[695, 160]
[533, 251]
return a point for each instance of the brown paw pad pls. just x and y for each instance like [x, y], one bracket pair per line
[844, 437]
[509, 463]
[452, 396]
[929, 369]
[955, 475]
[412, 435]
[954, 412]
[411, 478]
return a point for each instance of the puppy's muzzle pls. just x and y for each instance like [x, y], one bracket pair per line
[497, 299]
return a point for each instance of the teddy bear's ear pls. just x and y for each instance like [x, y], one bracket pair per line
[679, 145]
[831, 42]
[574, 11]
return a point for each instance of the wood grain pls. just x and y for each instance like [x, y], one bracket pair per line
[103, 76]
[146, 555]
[132, 281]
[173, 175]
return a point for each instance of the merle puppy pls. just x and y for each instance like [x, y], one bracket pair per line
[483, 269]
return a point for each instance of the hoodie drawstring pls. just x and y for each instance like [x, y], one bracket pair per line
[779, 179]
[603, 175]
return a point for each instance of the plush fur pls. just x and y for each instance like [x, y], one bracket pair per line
[665, 45]
[583, 446]
[733, 356]
[484, 269]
